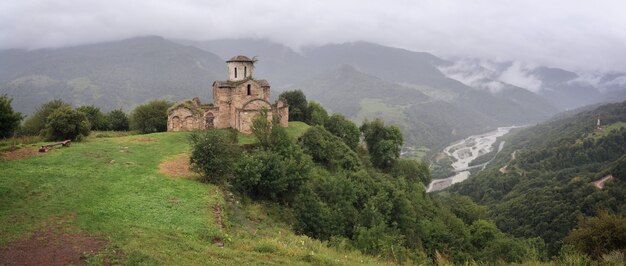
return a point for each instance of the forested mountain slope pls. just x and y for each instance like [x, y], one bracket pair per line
[542, 182]
[111, 75]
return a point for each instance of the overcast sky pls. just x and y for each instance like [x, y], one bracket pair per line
[580, 35]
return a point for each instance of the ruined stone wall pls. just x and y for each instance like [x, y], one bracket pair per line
[221, 101]
[235, 104]
[282, 113]
[183, 119]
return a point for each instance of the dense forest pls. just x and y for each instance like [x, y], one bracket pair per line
[541, 184]
[361, 197]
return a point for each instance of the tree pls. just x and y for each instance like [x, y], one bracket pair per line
[66, 123]
[36, 123]
[328, 149]
[118, 120]
[599, 235]
[297, 104]
[383, 142]
[412, 170]
[97, 120]
[266, 174]
[316, 114]
[262, 128]
[150, 117]
[341, 127]
[9, 119]
[213, 155]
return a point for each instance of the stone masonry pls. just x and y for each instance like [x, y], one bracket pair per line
[236, 102]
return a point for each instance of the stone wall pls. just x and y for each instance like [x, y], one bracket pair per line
[183, 119]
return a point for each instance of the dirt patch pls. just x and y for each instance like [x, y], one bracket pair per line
[20, 153]
[217, 211]
[145, 140]
[177, 167]
[57, 244]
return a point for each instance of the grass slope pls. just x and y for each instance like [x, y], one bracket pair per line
[114, 191]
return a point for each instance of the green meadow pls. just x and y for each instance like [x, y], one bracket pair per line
[110, 187]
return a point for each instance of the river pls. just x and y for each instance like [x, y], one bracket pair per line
[466, 150]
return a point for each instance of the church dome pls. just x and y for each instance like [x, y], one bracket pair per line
[240, 58]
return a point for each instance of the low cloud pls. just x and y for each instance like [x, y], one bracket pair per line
[586, 35]
[518, 74]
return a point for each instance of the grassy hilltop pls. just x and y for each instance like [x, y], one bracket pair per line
[109, 191]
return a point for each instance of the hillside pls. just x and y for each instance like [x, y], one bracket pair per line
[110, 75]
[548, 184]
[427, 120]
[107, 199]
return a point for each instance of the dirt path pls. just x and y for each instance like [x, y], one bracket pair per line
[504, 169]
[57, 243]
[600, 183]
[178, 166]
[19, 154]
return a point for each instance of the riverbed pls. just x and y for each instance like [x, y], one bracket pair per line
[466, 150]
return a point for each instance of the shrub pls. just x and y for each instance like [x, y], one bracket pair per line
[150, 117]
[97, 120]
[265, 174]
[343, 128]
[297, 104]
[383, 142]
[118, 120]
[316, 114]
[329, 150]
[412, 170]
[9, 119]
[213, 155]
[599, 235]
[36, 123]
[66, 123]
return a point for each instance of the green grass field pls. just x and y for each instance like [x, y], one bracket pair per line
[376, 108]
[112, 189]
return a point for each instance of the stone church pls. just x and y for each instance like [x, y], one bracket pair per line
[236, 102]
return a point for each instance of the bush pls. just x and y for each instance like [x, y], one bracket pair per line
[343, 128]
[276, 170]
[599, 235]
[213, 155]
[97, 120]
[329, 150]
[297, 104]
[9, 119]
[316, 114]
[150, 117]
[36, 123]
[66, 123]
[266, 174]
[118, 120]
[412, 170]
[383, 142]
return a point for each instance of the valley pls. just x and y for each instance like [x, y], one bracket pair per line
[464, 152]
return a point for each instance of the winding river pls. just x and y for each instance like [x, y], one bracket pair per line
[465, 151]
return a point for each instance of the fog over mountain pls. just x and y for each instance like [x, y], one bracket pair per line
[577, 35]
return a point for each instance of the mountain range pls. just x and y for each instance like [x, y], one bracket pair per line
[434, 100]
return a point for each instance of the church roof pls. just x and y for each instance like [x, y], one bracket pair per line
[240, 58]
[263, 83]
[230, 84]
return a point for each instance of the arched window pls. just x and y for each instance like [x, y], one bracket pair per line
[245, 72]
[249, 89]
[235, 72]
